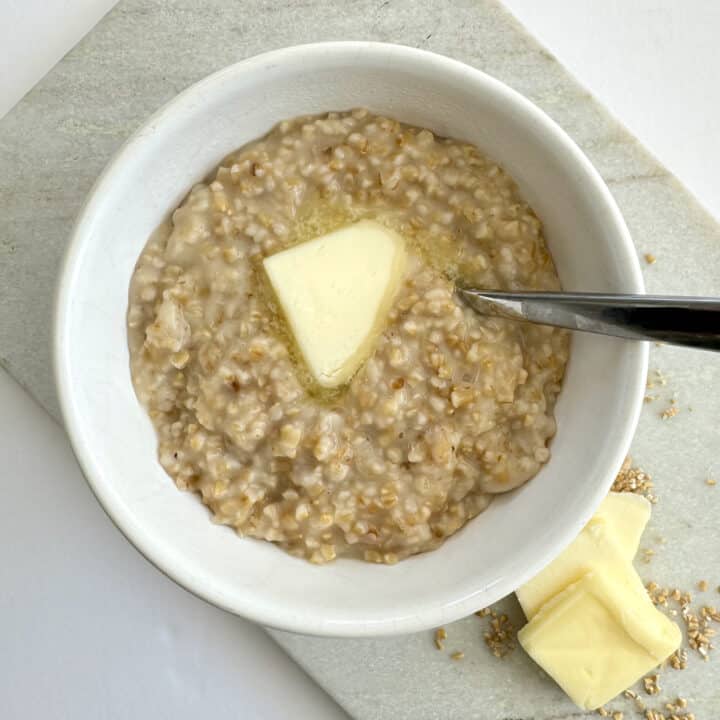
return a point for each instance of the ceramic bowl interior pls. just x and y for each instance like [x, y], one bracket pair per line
[114, 439]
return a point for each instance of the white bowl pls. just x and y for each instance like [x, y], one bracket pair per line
[115, 442]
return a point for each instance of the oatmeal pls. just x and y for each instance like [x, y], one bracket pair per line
[449, 409]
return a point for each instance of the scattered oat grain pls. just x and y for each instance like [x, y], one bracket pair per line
[677, 707]
[440, 637]
[654, 715]
[457, 655]
[634, 480]
[699, 625]
[651, 684]
[501, 635]
[650, 259]
[678, 660]
[669, 412]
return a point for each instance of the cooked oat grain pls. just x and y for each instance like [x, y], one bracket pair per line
[450, 409]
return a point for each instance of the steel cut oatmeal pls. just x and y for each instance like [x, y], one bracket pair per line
[450, 409]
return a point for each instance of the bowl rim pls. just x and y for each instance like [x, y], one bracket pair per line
[636, 354]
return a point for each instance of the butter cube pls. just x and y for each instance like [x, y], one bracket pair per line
[605, 545]
[628, 514]
[335, 292]
[597, 637]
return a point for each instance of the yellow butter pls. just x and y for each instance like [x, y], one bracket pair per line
[628, 514]
[335, 292]
[606, 545]
[597, 637]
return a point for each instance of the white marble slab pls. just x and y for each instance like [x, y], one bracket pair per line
[53, 144]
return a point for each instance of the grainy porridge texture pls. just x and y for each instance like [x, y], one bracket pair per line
[450, 409]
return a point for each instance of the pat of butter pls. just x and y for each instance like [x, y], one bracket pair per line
[606, 545]
[596, 638]
[627, 514]
[335, 292]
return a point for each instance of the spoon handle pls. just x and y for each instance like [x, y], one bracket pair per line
[692, 321]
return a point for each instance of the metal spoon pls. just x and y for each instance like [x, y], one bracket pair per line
[692, 321]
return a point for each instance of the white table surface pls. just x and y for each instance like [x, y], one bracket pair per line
[654, 64]
[89, 629]
[123, 641]
[35, 34]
